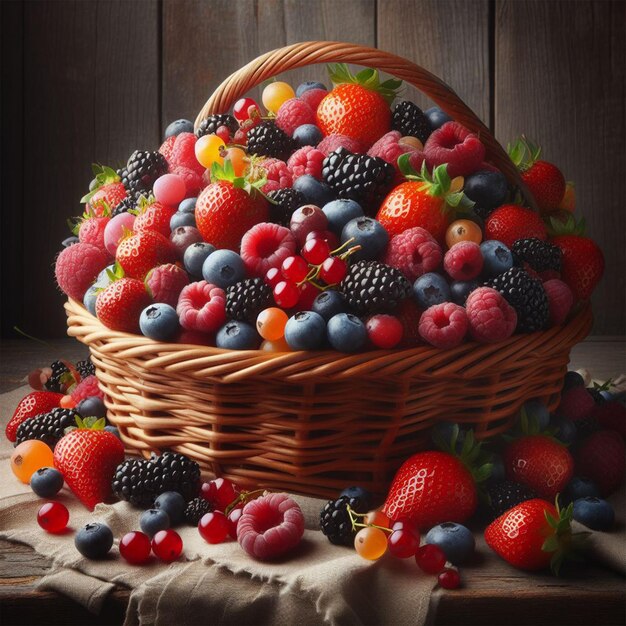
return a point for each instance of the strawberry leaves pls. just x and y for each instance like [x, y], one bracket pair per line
[103, 175]
[227, 173]
[523, 152]
[570, 226]
[368, 78]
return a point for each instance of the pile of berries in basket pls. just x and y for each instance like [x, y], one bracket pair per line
[334, 220]
[548, 470]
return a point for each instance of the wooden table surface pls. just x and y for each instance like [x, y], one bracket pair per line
[587, 595]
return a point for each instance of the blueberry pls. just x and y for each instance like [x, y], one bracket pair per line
[577, 488]
[188, 205]
[313, 190]
[195, 255]
[358, 492]
[154, 520]
[487, 189]
[308, 135]
[113, 430]
[564, 430]
[537, 412]
[89, 299]
[436, 117]
[177, 127]
[93, 406]
[235, 335]
[497, 258]
[46, 482]
[330, 303]
[498, 473]
[159, 321]
[94, 540]
[223, 268]
[69, 241]
[306, 330]
[460, 289]
[180, 218]
[340, 212]
[430, 289]
[173, 504]
[456, 541]
[346, 332]
[367, 233]
[607, 395]
[572, 379]
[594, 513]
[309, 84]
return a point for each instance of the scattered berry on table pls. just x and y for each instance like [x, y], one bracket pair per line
[219, 492]
[430, 559]
[47, 427]
[33, 404]
[346, 332]
[364, 496]
[370, 543]
[213, 527]
[94, 540]
[173, 504]
[154, 520]
[28, 457]
[167, 545]
[53, 517]
[135, 548]
[456, 541]
[85, 368]
[491, 318]
[578, 487]
[335, 521]
[444, 325]
[46, 482]
[594, 513]
[195, 510]
[403, 543]
[236, 335]
[449, 579]
[601, 457]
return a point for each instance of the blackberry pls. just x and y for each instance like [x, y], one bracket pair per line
[47, 427]
[358, 177]
[540, 255]
[335, 522]
[373, 287]
[85, 368]
[505, 495]
[59, 370]
[247, 298]
[195, 510]
[287, 201]
[210, 124]
[127, 204]
[526, 295]
[410, 120]
[141, 481]
[266, 139]
[142, 169]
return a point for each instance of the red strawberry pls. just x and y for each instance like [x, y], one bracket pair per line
[106, 194]
[531, 535]
[87, 458]
[138, 254]
[153, 215]
[601, 457]
[582, 264]
[119, 305]
[30, 405]
[576, 404]
[511, 222]
[612, 416]
[539, 462]
[358, 107]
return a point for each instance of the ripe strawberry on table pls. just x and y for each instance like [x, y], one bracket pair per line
[30, 405]
[107, 193]
[119, 305]
[358, 106]
[87, 458]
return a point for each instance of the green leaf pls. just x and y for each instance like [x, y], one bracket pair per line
[366, 75]
[99, 424]
[550, 519]
[550, 544]
[79, 422]
[483, 472]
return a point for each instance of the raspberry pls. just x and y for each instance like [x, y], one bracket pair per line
[202, 307]
[270, 526]
[266, 245]
[270, 185]
[560, 300]
[92, 231]
[455, 145]
[167, 147]
[335, 141]
[313, 97]
[193, 181]
[414, 252]
[276, 171]
[165, 283]
[576, 404]
[294, 113]
[307, 160]
[223, 132]
[78, 266]
[463, 261]
[444, 325]
[184, 153]
[389, 149]
[409, 314]
[87, 388]
[491, 318]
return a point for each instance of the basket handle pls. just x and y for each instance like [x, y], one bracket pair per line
[309, 53]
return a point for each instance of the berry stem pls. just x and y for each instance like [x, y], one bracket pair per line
[355, 524]
[244, 496]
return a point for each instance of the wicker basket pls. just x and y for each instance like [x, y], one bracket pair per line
[314, 422]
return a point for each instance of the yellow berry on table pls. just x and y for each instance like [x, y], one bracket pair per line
[370, 543]
[30, 456]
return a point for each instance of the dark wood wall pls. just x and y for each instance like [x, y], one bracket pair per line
[86, 81]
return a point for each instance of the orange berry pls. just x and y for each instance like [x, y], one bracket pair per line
[370, 543]
[66, 402]
[271, 323]
[378, 518]
[280, 345]
[414, 142]
[237, 157]
[30, 456]
[463, 230]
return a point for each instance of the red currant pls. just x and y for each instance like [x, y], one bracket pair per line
[53, 517]
[241, 109]
[430, 559]
[135, 547]
[286, 294]
[403, 543]
[214, 527]
[449, 579]
[233, 520]
[403, 523]
[295, 268]
[273, 276]
[219, 492]
[308, 293]
[167, 545]
[326, 235]
[315, 251]
[333, 270]
[384, 331]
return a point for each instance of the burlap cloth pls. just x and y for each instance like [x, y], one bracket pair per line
[321, 583]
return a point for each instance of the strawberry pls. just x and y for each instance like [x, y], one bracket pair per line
[533, 535]
[601, 458]
[137, 254]
[543, 179]
[358, 106]
[30, 405]
[153, 215]
[120, 304]
[87, 458]
[423, 201]
[229, 207]
[106, 194]
[568, 203]
[511, 222]
[539, 462]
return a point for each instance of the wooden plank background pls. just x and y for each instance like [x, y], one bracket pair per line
[92, 81]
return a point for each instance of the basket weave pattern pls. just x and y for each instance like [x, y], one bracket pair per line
[314, 422]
